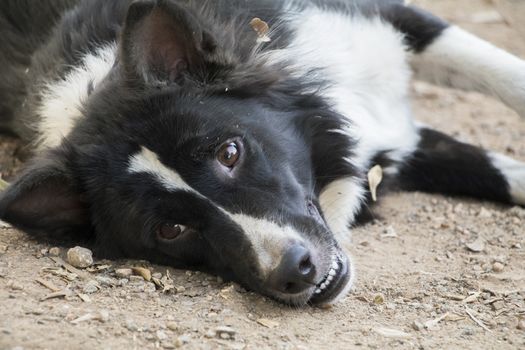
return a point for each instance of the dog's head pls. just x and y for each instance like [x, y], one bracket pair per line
[191, 155]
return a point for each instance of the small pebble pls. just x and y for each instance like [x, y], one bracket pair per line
[131, 325]
[521, 324]
[225, 332]
[123, 273]
[161, 335]
[55, 251]
[90, 287]
[497, 267]
[172, 326]
[418, 326]
[80, 257]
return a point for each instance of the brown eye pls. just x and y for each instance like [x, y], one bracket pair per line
[169, 232]
[229, 154]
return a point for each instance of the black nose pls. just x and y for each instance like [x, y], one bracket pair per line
[295, 273]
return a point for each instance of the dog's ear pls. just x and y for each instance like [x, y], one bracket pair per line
[45, 200]
[162, 41]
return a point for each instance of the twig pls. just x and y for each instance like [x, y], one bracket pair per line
[476, 320]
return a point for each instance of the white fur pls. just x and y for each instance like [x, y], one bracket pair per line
[268, 239]
[461, 60]
[340, 202]
[147, 161]
[62, 100]
[514, 173]
[368, 77]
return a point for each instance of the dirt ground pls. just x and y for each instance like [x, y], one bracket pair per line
[425, 287]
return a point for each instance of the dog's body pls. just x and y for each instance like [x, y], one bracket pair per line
[184, 133]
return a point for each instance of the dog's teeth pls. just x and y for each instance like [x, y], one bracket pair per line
[317, 291]
[332, 272]
[330, 278]
[335, 265]
[323, 285]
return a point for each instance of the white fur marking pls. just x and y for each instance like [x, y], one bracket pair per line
[461, 60]
[340, 202]
[514, 173]
[269, 240]
[62, 100]
[147, 161]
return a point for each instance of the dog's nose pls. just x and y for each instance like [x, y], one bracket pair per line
[295, 273]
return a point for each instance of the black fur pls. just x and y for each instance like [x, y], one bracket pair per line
[444, 165]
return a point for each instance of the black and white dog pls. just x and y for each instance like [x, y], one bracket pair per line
[235, 136]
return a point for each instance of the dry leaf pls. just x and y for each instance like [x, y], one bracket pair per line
[267, 323]
[379, 299]
[3, 184]
[375, 176]
[262, 29]
[143, 272]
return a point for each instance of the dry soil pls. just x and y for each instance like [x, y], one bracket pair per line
[420, 288]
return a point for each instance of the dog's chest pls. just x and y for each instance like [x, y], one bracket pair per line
[364, 63]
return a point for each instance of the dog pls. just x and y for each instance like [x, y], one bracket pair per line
[234, 136]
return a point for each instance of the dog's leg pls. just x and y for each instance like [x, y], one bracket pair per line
[449, 56]
[442, 164]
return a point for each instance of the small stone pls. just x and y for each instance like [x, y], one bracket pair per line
[14, 285]
[498, 267]
[389, 232]
[172, 326]
[80, 257]
[484, 213]
[90, 287]
[521, 324]
[103, 316]
[131, 325]
[182, 340]
[180, 289]
[123, 273]
[417, 326]
[498, 305]
[161, 335]
[55, 251]
[106, 281]
[157, 275]
[167, 345]
[477, 246]
[225, 332]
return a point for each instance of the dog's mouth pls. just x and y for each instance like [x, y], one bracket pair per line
[335, 283]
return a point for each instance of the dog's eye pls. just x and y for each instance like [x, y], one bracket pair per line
[169, 232]
[229, 154]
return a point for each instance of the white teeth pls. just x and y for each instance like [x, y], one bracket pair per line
[335, 265]
[323, 285]
[330, 278]
[317, 291]
[331, 272]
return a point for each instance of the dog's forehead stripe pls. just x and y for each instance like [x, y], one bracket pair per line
[147, 161]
